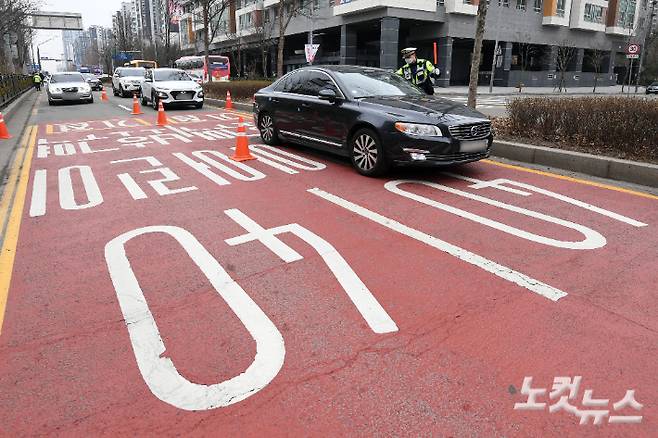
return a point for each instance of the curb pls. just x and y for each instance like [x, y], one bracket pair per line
[237, 105]
[604, 167]
[8, 110]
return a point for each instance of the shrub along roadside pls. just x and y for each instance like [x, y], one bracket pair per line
[240, 90]
[619, 126]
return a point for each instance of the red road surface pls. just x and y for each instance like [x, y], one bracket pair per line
[465, 338]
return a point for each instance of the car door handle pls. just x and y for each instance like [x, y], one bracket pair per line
[306, 105]
[274, 99]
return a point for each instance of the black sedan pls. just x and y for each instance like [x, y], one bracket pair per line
[93, 81]
[373, 116]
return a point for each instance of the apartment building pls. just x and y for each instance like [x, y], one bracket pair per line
[530, 35]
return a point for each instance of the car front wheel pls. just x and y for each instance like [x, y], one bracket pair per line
[154, 102]
[367, 153]
[267, 130]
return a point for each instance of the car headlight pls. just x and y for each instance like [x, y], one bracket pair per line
[419, 129]
[85, 88]
[56, 90]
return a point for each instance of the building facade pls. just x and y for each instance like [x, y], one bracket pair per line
[529, 42]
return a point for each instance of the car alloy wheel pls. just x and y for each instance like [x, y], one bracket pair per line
[367, 154]
[267, 130]
[154, 102]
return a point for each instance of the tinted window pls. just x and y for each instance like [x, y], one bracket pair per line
[316, 81]
[136, 71]
[367, 83]
[170, 75]
[66, 77]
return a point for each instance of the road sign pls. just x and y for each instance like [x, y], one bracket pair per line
[310, 50]
[633, 56]
[633, 49]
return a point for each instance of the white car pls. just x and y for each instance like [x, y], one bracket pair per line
[68, 87]
[170, 86]
[127, 81]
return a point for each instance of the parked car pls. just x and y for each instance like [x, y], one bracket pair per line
[652, 89]
[68, 87]
[93, 81]
[127, 81]
[373, 116]
[170, 86]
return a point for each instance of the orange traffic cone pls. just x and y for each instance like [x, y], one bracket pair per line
[4, 133]
[162, 117]
[229, 102]
[137, 110]
[242, 144]
[104, 96]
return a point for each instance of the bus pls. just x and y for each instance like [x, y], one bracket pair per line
[195, 66]
[141, 63]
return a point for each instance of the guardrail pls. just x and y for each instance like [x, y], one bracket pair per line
[12, 85]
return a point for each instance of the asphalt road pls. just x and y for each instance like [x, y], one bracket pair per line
[149, 285]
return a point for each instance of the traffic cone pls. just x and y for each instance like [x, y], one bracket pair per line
[229, 102]
[4, 133]
[136, 108]
[242, 144]
[104, 95]
[162, 117]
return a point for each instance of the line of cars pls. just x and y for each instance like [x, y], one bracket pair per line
[372, 116]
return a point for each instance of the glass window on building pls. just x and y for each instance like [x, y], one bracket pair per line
[538, 6]
[504, 3]
[520, 5]
[593, 13]
[560, 7]
[626, 14]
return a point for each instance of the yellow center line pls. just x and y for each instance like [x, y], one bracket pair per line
[49, 129]
[143, 122]
[572, 179]
[21, 172]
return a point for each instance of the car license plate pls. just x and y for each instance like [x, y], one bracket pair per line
[473, 146]
[184, 96]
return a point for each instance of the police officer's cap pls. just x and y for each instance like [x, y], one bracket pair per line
[408, 51]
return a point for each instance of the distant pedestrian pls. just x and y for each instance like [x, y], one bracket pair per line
[37, 81]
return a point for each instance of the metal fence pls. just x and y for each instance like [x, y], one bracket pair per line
[12, 85]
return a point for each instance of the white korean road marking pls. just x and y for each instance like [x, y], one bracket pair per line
[367, 305]
[592, 238]
[158, 371]
[501, 271]
[66, 195]
[125, 108]
[498, 184]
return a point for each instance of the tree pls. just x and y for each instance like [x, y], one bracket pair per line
[13, 25]
[565, 55]
[172, 8]
[210, 12]
[595, 58]
[477, 52]
[286, 9]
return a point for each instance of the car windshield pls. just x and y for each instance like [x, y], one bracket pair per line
[371, 83]
[128, 72]
[66, 77]
[170, 75]
[89, 76]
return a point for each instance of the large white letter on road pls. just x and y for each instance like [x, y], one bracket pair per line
[159, 372]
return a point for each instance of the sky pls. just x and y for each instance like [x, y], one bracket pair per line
[98, 12]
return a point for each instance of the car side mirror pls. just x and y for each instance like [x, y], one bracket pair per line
[327, 94]
[148, 80]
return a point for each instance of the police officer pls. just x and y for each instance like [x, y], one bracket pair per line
[37, 81]
[418, 71]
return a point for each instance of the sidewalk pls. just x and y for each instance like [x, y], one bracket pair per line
[505, 91]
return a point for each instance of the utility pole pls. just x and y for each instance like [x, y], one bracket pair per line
[495, 54]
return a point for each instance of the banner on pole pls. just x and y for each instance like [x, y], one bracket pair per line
[310, 50]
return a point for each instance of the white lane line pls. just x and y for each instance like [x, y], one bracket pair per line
[125, 108]
[501, 271]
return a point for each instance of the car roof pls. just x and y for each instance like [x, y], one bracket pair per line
[343, 68]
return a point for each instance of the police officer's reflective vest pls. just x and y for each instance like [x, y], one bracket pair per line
[37, 79]
[424, 69]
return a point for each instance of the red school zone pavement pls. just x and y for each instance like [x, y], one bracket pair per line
[136, 308]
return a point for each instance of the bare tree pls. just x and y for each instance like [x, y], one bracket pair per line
[565, 55]
[170, 15]
[264, 35]
[595, 58]
[13, 25]
[477, 52]
[286, 9]
[210, 12]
